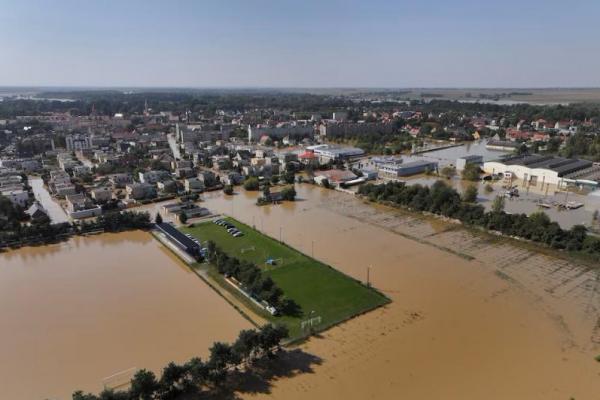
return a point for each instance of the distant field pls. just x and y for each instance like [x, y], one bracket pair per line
[313, 285]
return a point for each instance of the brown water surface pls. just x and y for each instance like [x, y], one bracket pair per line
[77, 312]
[457, 329]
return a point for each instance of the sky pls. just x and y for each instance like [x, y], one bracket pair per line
[302, 43]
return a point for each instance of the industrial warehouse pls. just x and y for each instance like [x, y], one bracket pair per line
[542, 169]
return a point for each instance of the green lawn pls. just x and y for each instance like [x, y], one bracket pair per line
[313, 285]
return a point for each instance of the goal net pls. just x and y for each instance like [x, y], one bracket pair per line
[310, 323]
[247, 249]
[119, 380]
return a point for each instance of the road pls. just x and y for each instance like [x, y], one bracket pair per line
[54, 210]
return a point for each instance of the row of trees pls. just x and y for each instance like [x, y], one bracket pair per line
[249, 275]
[118, 221]
[13, 228]
[200, 378]
[444, 200]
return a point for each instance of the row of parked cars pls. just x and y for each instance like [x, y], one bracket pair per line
[233, 231]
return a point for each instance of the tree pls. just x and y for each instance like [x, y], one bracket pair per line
[471, 172]
[143, 385]
[183, 217]
[158, 219]
[274, 179]
[288, 177]
[498, 204]
[79, 395]
[448, 171]
[251, 184]
[470, 194]
[267, 192]
[288, 193]
[246, 343]
[171, 380]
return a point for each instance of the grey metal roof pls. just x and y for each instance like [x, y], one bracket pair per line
[414, 164]
[572, 167]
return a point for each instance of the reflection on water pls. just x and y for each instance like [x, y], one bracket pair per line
[76, 312]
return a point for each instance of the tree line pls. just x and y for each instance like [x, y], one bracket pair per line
[443, 200]
[200, 378]
[16, 227]
[254, 282]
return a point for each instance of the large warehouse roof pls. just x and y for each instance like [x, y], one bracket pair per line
[559, 165]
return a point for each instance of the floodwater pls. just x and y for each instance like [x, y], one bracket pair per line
[54, 210]
[77, 312]
[449, 155]
[529, 199]
[456, 329]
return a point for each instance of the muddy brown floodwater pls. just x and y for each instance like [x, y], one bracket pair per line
[77, 312]
[471, 318]
[496, 322]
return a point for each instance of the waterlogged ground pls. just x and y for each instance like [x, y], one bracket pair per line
[77, 312]
[470, 318]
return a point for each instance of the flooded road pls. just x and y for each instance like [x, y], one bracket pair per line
[54, 210]
[77, 312]
[494, 323]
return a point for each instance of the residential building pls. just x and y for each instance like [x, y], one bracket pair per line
[139, 191]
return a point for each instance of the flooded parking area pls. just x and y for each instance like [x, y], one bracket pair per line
[78, 312]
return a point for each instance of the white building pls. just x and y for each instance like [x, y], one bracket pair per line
[17, 197]
[78, 142]
[536, 169]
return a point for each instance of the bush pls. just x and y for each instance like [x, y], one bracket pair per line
[471, 172]
[448, 172]
[251, 184]
[183, 218]
[228, 190]
[288, 193]
[470, 194]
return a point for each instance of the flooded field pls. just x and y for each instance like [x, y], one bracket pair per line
[77, 312]
[470, 319]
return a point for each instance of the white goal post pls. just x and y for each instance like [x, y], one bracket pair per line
[120, 379]
[310, 323]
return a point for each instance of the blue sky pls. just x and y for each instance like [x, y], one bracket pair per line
[248, 43]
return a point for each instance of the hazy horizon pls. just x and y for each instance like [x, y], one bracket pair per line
[279, 45]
